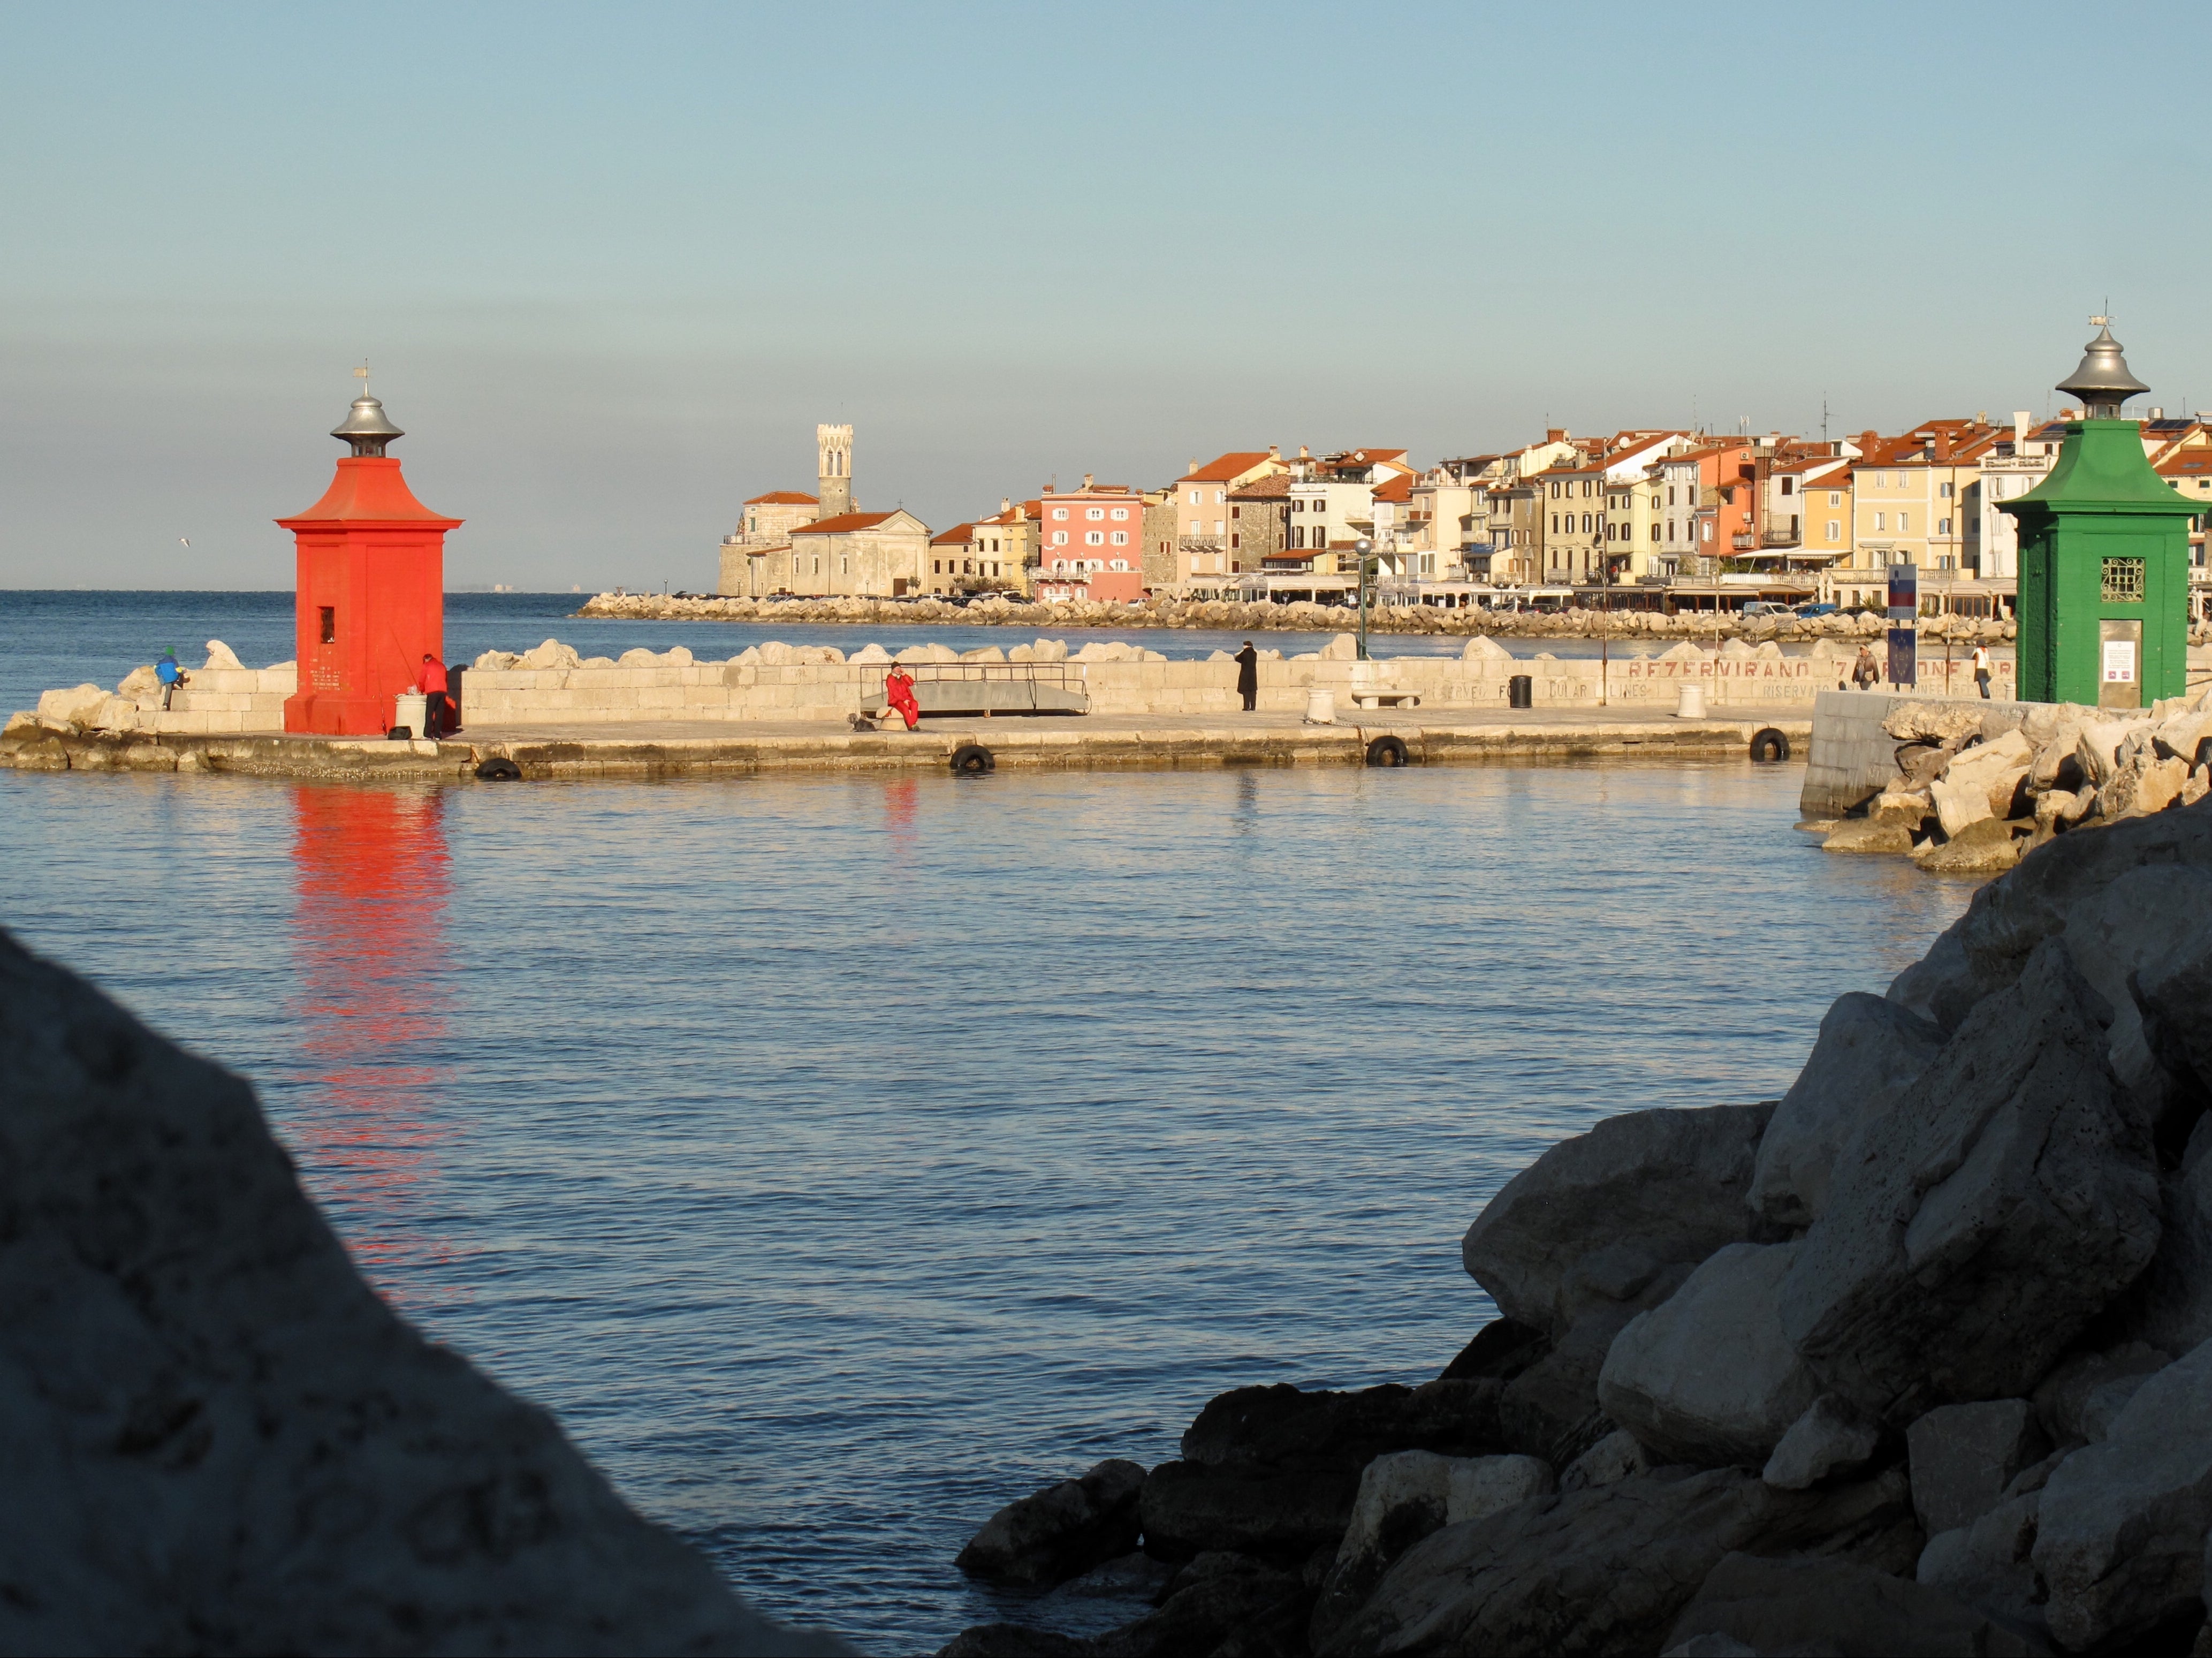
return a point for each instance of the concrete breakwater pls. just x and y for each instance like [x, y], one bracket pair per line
[1916, 1359]
[1575, 622]
[229, 1442]
[553, 685]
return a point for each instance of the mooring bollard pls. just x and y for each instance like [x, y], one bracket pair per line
[1692, 706]
[1321, 707]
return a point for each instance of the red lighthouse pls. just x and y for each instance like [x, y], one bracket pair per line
[372, 587]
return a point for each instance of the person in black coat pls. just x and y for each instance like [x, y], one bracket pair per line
[1247, 676]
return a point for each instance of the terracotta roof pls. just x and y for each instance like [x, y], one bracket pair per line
[783, 498]
[956, 536]
[2186, 461]
[1400, 488]
[1275, 486]
[1227, 466]
[851, 520]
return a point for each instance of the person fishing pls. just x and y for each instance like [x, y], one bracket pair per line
[1247, 676]
[171, 676]
[431, 682]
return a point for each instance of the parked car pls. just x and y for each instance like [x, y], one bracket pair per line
[1763, 607]
[1815, 609]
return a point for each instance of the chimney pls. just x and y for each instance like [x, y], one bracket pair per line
[1274, 452]
[1047, 490]
[1191, 468]
[1555, 434]
[1005, 503]
[2158, 414]
[2020, 419]
[1981, 417]
[1942, 446]
[1086, 477]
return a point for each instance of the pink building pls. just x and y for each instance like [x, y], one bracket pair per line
[1093, 537]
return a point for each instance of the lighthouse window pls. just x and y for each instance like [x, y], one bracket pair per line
[2123, 581]
[328, 617]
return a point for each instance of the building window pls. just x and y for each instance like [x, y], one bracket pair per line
[936, 567]
[1944, 489]
[1096, 514]
[1120, 514]
[1903, 525]
[327, 618]
[1835, 530]
[1789, 484]
[1119, 564]
[1059, 513]
[1059, 538]
[1093, 538]
[1193, 497]
[2123, 581]
[1654, 532]
[1236, 541]
[1220, 495]
[1121, 538]
[1835, 498]
[1942, 526]
[1881, 521]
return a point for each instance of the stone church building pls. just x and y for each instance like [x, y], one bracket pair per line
[821, 545]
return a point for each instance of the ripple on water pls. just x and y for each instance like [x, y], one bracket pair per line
[842, 1156]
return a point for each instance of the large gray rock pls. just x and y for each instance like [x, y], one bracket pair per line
[1063, 1530]
[1598, 1221]
[1988, 1565]
[1276, 1513]
[219, 1440]
[1830, 1440]
[1973, 1230]
[2120, 1541]
[1988, 949]
[1708, 1376]
[1551, 1409]
[1963, 1457]
[1830, 1608]
[1606, 1569]
[1403, 1498]
[1868, 1049]
[2085, 1392]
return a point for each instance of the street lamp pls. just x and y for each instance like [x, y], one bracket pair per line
[1364, 547]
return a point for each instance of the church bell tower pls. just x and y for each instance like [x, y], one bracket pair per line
[834, 469]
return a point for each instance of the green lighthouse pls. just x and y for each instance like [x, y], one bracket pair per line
[2103, 556]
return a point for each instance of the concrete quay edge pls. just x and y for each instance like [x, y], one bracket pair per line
[1136, 744]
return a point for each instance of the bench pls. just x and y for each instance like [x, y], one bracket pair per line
[985, 689]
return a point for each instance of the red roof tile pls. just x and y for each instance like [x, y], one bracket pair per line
[783, 498]
[851, 520]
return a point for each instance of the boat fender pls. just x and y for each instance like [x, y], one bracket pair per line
[498, 769]
[1768, 745]
[1386, 751]
[972, 759]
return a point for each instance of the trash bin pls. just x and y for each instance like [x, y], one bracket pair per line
[411, 712]
[1692, 706]
[1521, 691]
[1320, 707]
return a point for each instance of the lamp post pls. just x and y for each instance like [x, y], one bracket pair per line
[1364, 548]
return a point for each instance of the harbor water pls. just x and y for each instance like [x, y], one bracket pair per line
[841, 1157]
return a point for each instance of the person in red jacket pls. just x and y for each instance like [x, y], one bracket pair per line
[431, 682]
[898, 692]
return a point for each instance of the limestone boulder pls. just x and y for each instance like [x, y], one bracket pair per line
[1963, 1457]
[140, 681]
[678, 656]
[221, 658]
[218, 1438]
[1975, 1228]
[494, 661]
[1404, 1496]
[2121, 1537]
[1708, 1377]
[552, 654]
[1550, 1410]
[1868, 1049]
[1620, 1455]
[1929, 721]
[1986, 949]
[1341, 648]
[1986, 847]
[1868, 834]
[638, 657]
[1750, 1605]
[1061, 1532]
[1988, 1565]
[2085, 1392]
[1605, 1570]
[79, 705]
[1604, 1220]
[1483, 649]
[1832, 1440]
[2186, 737]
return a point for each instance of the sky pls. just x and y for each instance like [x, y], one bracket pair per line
[610, 264]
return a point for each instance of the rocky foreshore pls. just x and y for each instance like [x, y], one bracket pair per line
[1301, 618]
[1976, 786]
[1913, 1360]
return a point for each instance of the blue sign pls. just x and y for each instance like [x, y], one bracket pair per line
[1903, 631]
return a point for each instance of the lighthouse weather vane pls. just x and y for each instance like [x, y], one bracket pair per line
[362, 375]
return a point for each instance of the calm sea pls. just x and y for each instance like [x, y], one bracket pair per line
[841, 1157]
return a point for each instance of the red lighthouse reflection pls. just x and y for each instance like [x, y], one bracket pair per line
[368, 933]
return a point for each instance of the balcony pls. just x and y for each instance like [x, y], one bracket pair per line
[1777, 538]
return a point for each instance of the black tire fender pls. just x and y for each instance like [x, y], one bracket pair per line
[1387, 750]
[1768, 747]
[498, 769]
[972, 759]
